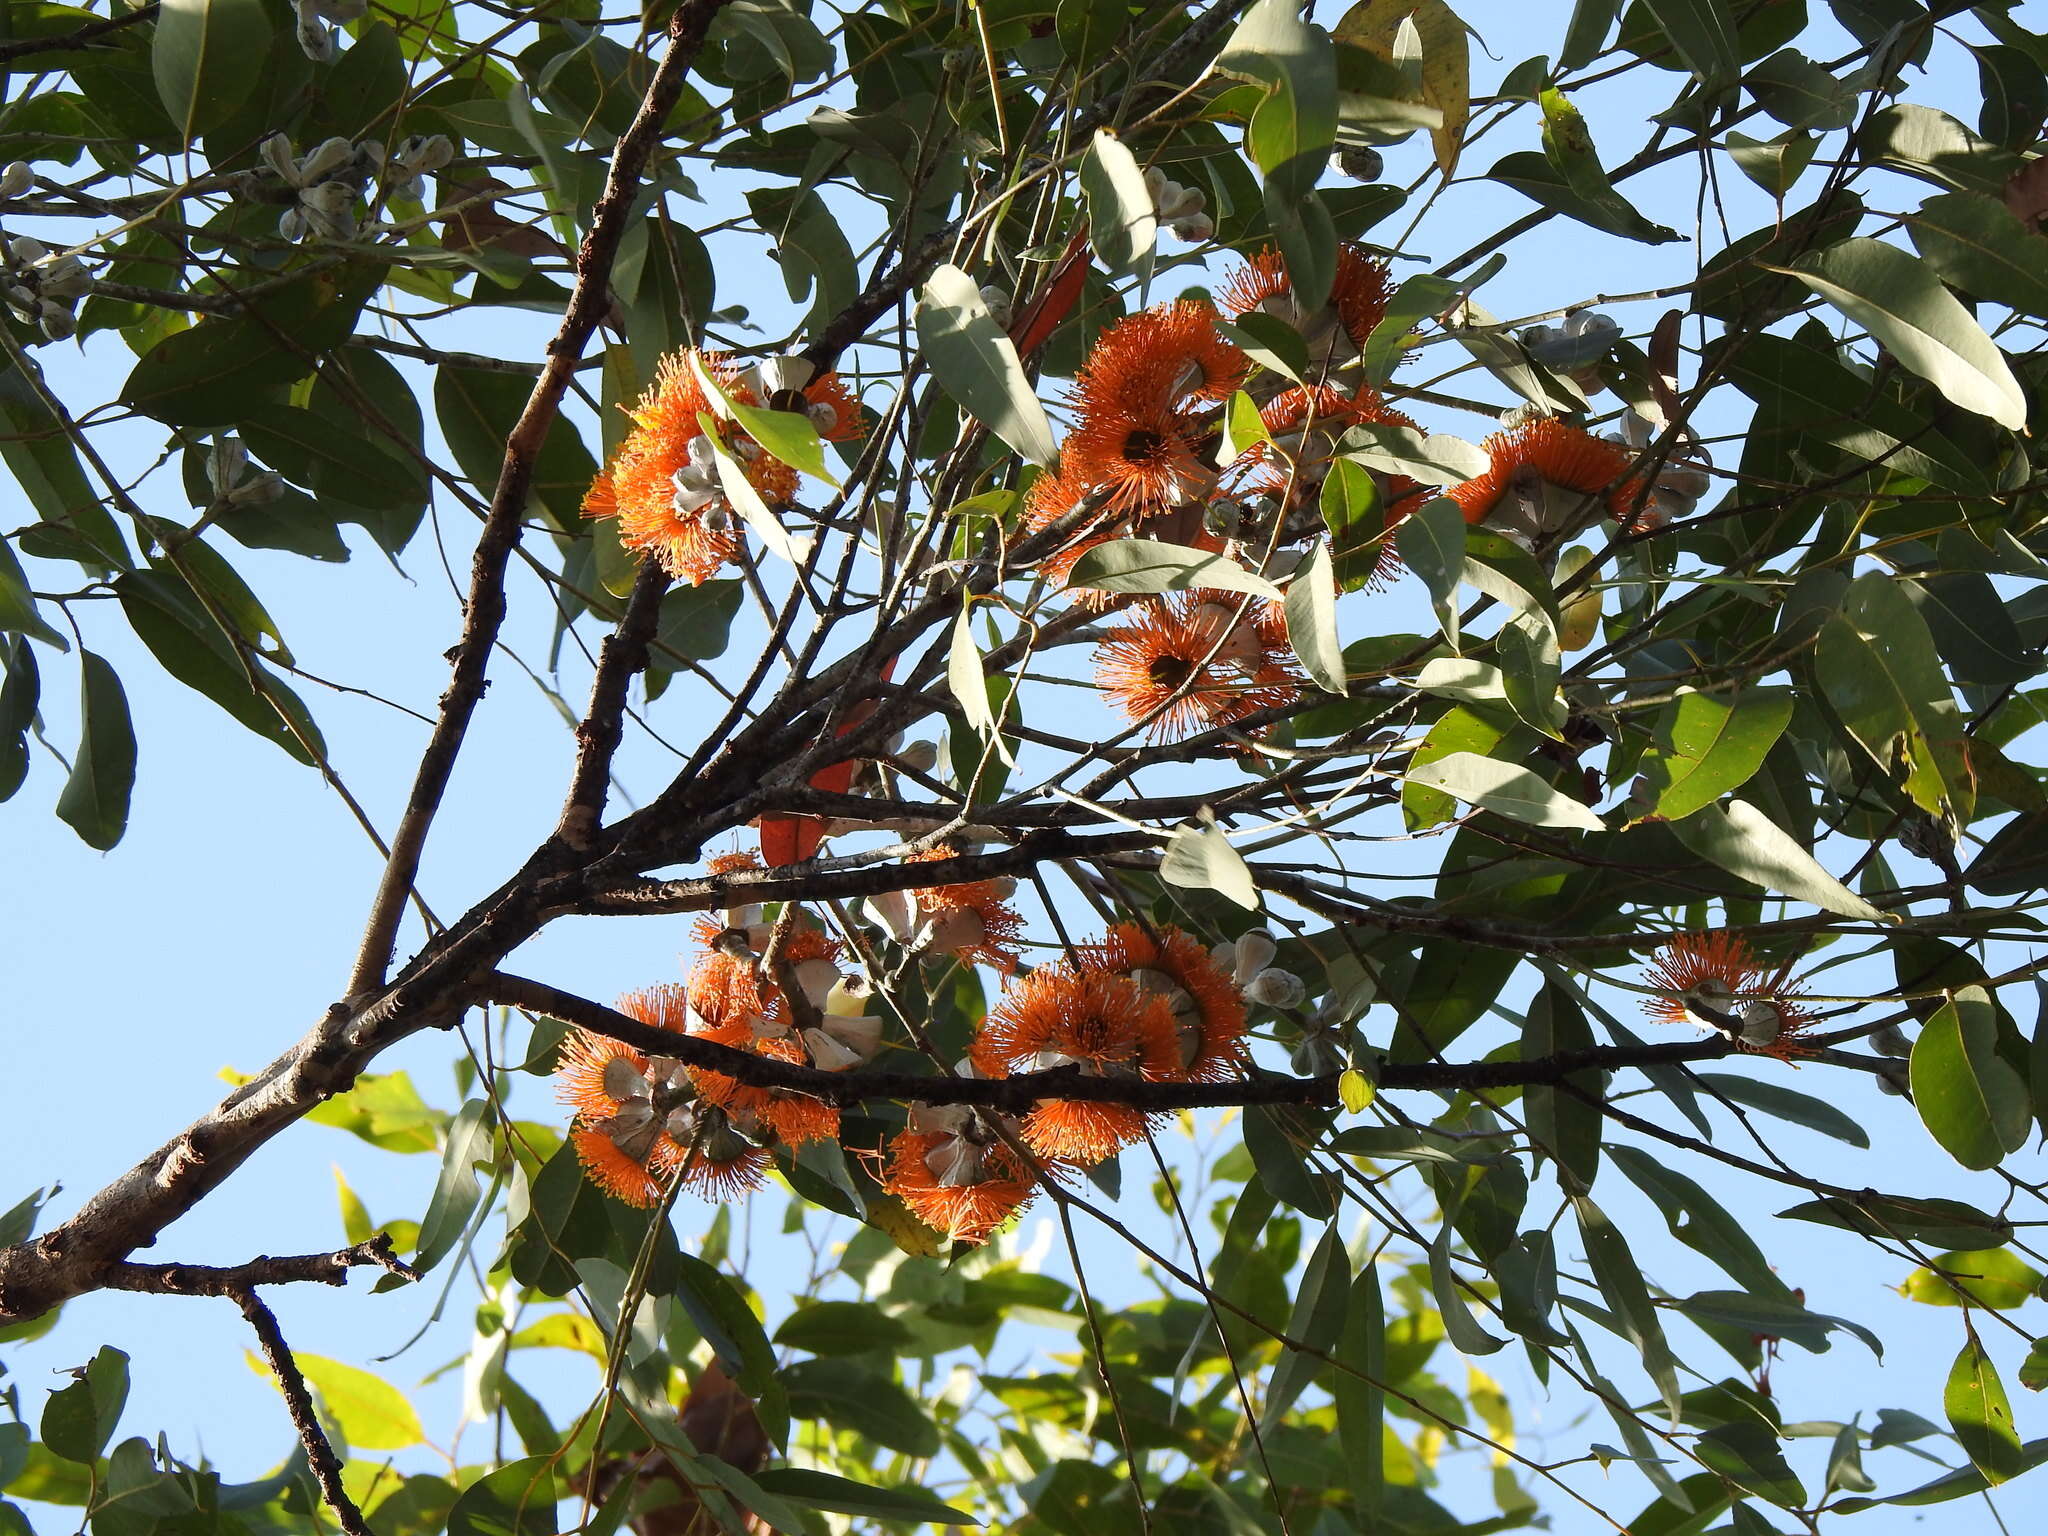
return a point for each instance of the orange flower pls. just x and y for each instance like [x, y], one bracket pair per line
[1208, 1010]
[1106, 1025]
[663, 485]
[1141, 454]
[1716, 983]
[627, 1103]
[832, 408]
[1156, 359]
[607, 1166]
[964, 1183]
[1543, 474]
[1359, 296]
[732, 993]
[771, 1113]
[717, 1162]
[972, 921]
[1160, 659]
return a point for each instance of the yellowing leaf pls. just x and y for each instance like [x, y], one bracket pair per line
[1446, 61]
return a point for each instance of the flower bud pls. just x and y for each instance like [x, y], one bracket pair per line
[1194, 229]
[17, 178]
[324, 160]
[1359, 163]
[1276, 989]
[1762, 1024]
[56, 320]
[1001, 305]
[1890, 1040]
[277, 154]
[27, 250]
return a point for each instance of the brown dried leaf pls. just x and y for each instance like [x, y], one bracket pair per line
[479, 224]
[1446, 60]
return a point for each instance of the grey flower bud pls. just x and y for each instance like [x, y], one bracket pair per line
[291, 224]
[1275, 988]
[56, 320]
[1001, 306]
[27, 250]
[324, 160]
[1194, 230]
[1890, 1040]
[277, 154]
[1359, 163]
[17, 178]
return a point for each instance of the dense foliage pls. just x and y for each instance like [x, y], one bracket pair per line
[1248, 833]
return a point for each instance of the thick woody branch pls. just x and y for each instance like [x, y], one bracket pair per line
[485, 609]
[1019, 1094]
[234, 1280]
[298, 1402]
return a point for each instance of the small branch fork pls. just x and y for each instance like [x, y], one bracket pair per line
[1019, 1094]
[238, 1284]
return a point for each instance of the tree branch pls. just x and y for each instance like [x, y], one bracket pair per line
[485, 609]
[1017, 1095]
[215, 1280]
[299, 1403]
[624, 655]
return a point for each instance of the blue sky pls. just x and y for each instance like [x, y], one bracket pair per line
[225, 922]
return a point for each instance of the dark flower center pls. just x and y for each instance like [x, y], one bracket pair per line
[1170, 671]
[1142, 445]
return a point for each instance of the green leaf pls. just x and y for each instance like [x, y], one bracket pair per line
[1311, 610]
[1431, 541]
[1530, 667]
[1799, 93]
[1774, 1317]
[1358, 1392]
[371, 1414]
[79, 1419]
[477, 409]
[850, 1396]
[94, 802]
[1088, 29]
[1969, 1099]
[1434, 459]
[1901, 302]
[1996, 1278]
[201, 55]
[790, 436]
[1810, 392]
[1351, 506]
[1621, 1282]
[1270, 342]
[1462, 729]
[1978, 245]
[1980, 1415]
[1701, 34]
[1773, 164]
[1941, 1223]
[1122, 225]
[1355, 1091]
[2034, 1369]
[1146, 565]
[1876, 666]
[1467, 1335]
[1506, 790]
[1749, 845]
[728, 1324]
[808, 1488]
[1787, 1104]
[516, 1500]
[1746, 1453]
[976, 364]
[384, 1109]
[1562, 1123]
[455, 1192]
[747, 502]
[1710, 743]
[1317, 1318]
[1701, 1222]
[1276, 1137]
[842, 1328]
[1542, 183]
[1200, 857]
[18, 613]
[1507, 573]
[39, 454]
[1934, 146]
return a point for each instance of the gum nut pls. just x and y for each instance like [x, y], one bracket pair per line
[1001, 306]
[1762, 1024]
[1276, 989]
[861, 1032]
[224, 461]
[954, 1162]
[1225, 956]
[937, 1119]
[1155, 182]
[264, 489]
[817, 978]
[434, 152]
[291, 224]
[919, 756]
[17, 178]
[789, 371]
[1888, 1082]
[891, 912]
[1192, 201]
[1359, 163]
[622, 1080]
[1003, 887]
[329, 198]
[56, 322]
[957, 930]
[1252, 953]
[324, 159]
[848, 998]
[1684, 480]
[277, 154]
[1890, 1040]
[1193, 231]
[827, 1054]
[824, 416]
[27, 250]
